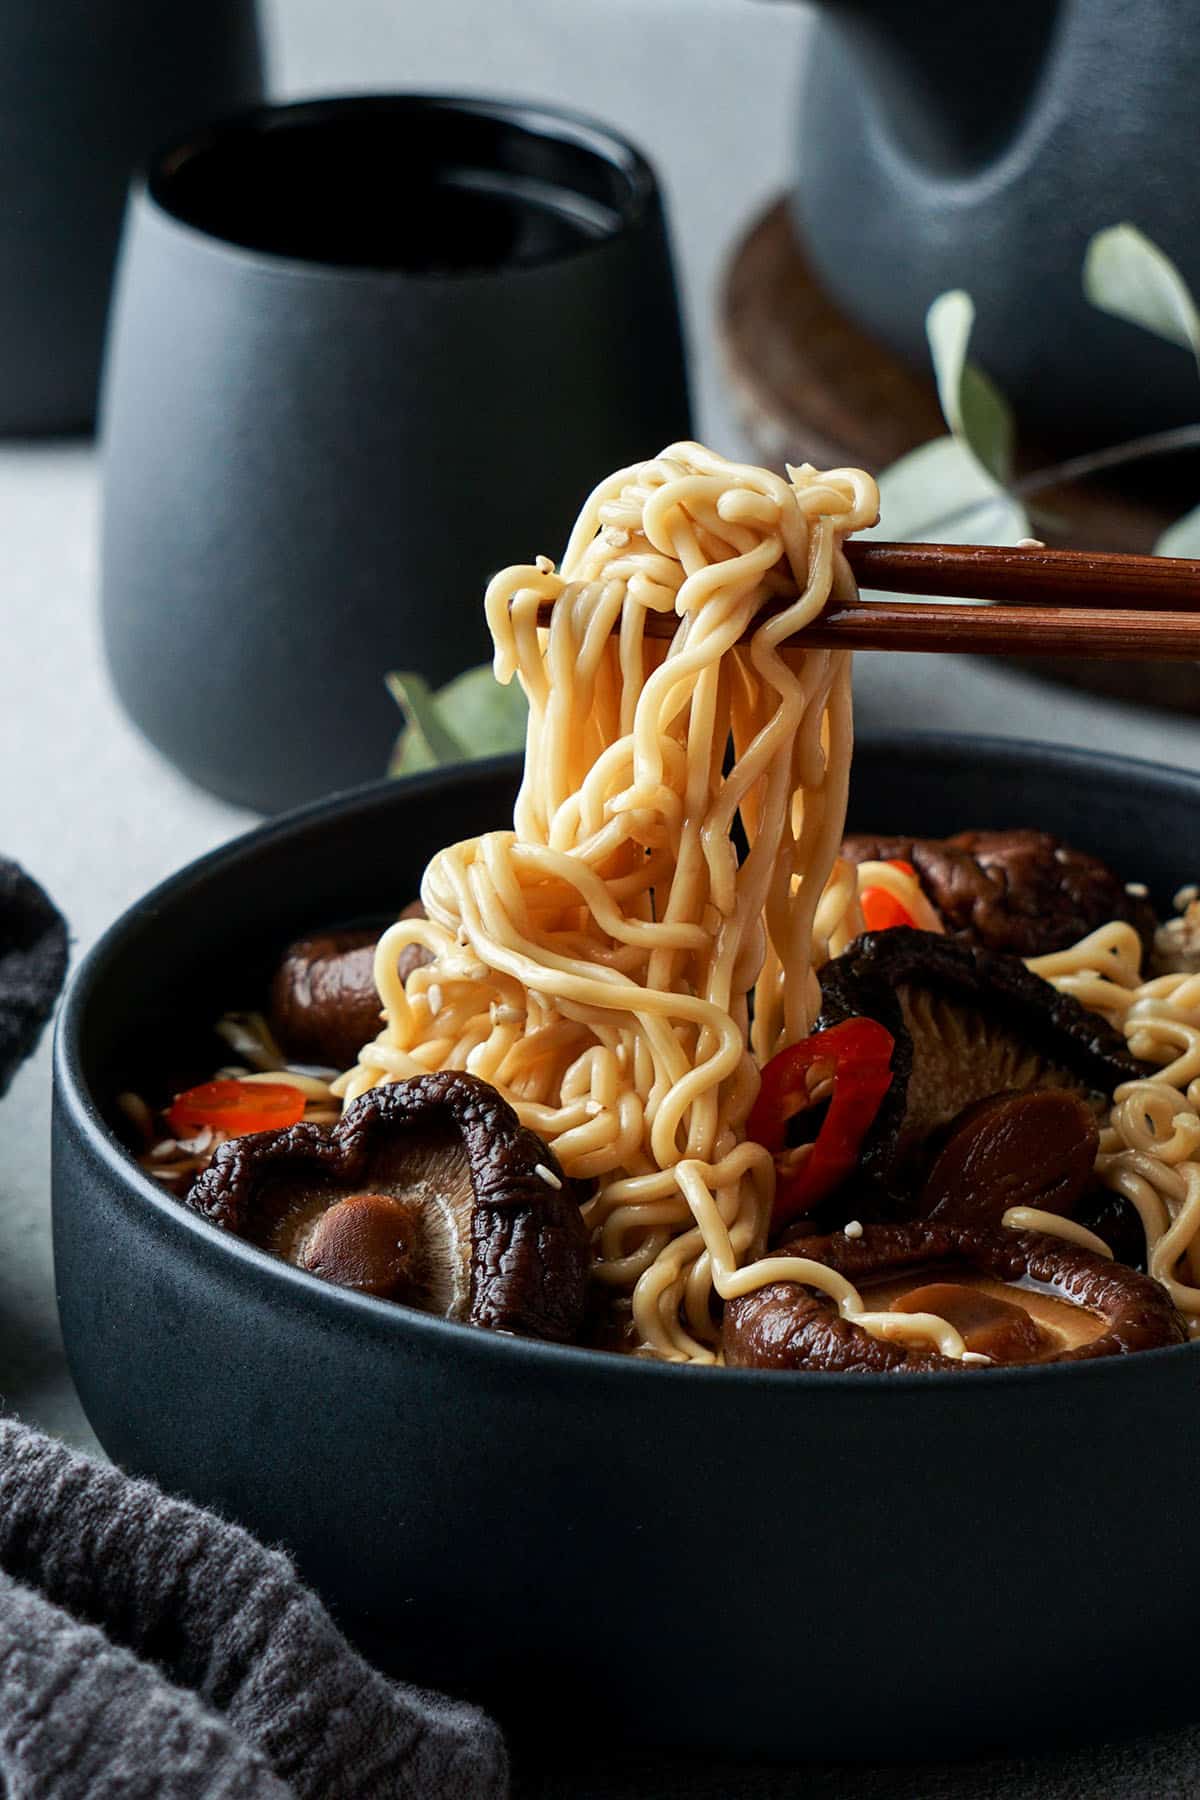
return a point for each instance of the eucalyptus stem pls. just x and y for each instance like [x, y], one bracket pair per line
[1154, 443]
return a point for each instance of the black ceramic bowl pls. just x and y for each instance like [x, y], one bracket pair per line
[768, 1564]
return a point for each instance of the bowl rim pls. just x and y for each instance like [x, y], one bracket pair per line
[72, 1093]
[567, 125]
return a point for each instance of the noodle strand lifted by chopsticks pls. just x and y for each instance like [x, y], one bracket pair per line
[597, 962]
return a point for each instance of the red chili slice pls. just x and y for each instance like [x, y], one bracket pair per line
[236, 1107]
[861, 1053]
[880, 908]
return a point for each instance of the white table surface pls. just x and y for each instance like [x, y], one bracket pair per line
[97, 816]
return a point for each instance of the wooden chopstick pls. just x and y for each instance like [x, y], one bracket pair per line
[1099, 634]
[1028, 576]
[1081, 603]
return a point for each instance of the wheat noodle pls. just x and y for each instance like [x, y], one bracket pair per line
[1150, 1147]
[609, 964]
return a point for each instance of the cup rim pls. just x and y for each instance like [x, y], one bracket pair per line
[567, 125]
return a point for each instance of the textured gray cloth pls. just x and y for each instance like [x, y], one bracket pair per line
[148, 1648]
[33, 961]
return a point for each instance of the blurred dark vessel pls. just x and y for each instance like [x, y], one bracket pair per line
[86, 92]
[981, 146]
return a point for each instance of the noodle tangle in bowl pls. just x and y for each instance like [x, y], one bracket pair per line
[610, 964]
[1150, 1146]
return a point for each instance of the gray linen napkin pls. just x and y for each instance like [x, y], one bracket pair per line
[148, 1648]
[33, 961]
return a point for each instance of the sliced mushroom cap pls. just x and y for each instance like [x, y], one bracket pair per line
[989, 1325]
[1019, 891]
[324, 1005]
[491, 1229]
[1033, 1149]
[968, 1023]
[1082, 1305]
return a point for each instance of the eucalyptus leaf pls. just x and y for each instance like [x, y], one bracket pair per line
[941, 492]
[487, 718]
[1182, 538]
[429, 739]
[410, 755]
[974, 408]
[1128, 276]
[471, 717]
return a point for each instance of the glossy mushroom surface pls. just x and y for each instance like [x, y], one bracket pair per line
[1027, 1149]
[324, 1005]
[968, 1024]
[1116, 1221]
[1020, 891]
[788, 1326]
[486, 1228]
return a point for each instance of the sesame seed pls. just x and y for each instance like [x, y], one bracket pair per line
[853, 1229]
[975, 1356]
[1137, 889]
[547, 1175]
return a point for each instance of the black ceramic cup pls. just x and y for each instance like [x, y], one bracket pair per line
[364, 352]
[86, 91]
[764, 1564]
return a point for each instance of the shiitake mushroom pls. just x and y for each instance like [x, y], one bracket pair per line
[324, 1005]
[372, 1243]
[429, 1191]
[1036, 1149]
[968, 1024]
[1022, 891]
[786, 1325]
